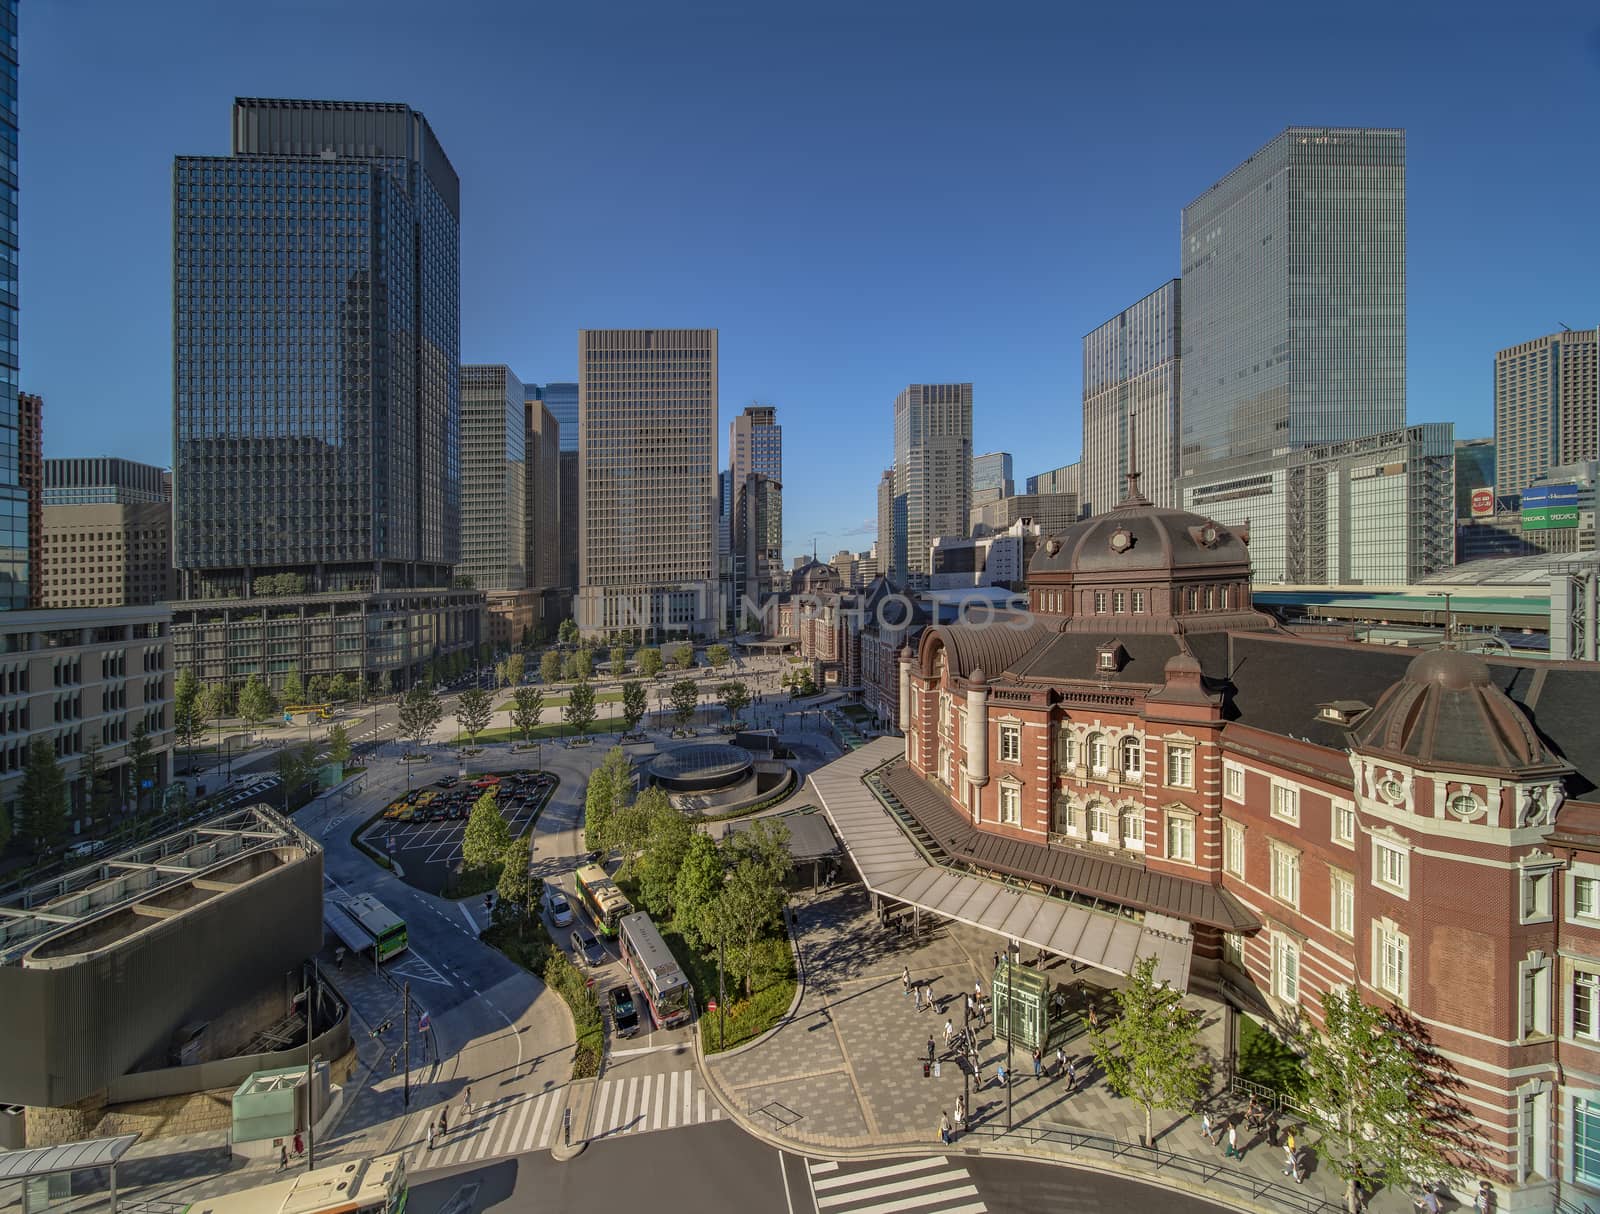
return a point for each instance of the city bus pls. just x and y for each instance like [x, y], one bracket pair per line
[387, 929]
[361, 1186]
[605, 903]
[666, 989]
[322, 712]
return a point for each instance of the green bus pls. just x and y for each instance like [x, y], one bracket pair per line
[387, 929]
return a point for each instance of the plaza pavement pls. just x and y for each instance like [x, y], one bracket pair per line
[842, 1076]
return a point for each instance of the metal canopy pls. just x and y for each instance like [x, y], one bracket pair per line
[68, 1157]
[893, 867]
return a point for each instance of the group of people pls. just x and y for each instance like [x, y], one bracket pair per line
[948, 1127]
[283, 1151]
[438, 1129]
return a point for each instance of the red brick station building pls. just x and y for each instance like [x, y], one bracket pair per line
[1321, 812]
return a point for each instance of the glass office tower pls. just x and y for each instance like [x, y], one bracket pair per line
[14, 572]
[316, 289]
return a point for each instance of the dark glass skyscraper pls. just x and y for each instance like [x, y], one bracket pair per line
[316, 295]
[14, 572]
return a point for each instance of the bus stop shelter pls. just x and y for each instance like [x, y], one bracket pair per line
[41, 1163]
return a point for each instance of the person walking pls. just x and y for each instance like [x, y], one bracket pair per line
[1038, 1067]
[905, 978]
[1072, 1075]
[1289, 1152]
[966, 1011]
[1061, 1060]
[930, 1051]
[432, 1130]
[949, 1032]
[444, 1122]
[467, 1100]
[944, 1128]
[299, 1145]
[1000, 1074]
[283, 1156]
[1208, 1128]
[1483, 1202]
[1233, 1151]
[961, 1114]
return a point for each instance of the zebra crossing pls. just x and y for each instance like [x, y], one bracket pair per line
[915, 1186]
[639, 1103]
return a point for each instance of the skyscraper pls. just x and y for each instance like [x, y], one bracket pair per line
[991, 477]
[755, 444]
[30, 479]
[1546, 405]
[647, 455]
[1130, 398]
[494, 476]
[317, 405]
[547, 521]
[561, 399]
[14, 571]
[932, 468]
[1066, 479]
[1294, 320]
[885, 545]
[757, 539]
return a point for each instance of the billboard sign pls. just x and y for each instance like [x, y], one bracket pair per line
[1482, 502]
[1549, 507]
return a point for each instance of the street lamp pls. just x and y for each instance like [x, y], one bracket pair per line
[1449, 631]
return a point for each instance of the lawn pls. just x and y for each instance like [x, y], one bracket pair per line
[560, 701]
[741, 1019]
[544, 733]
[1265, 1060]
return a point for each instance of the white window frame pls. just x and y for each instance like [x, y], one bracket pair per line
[1342, 903]
[1342, 821]
[1138, 602]
[1536, 898]
[1010, 804]
[1180, 762]
[1094, 810]
[1065, 817]
[1391, 961]
[1134, 840]
[1010, 743]
[1286, 802]
[1233, 848]
[1100, 602]
[1233, 782]
[1180, 829]
[1586, 976]
[944, 766]
[1533, 997]
[1285, 874]
[1066, 748]
[1097, 741]
[1386, 848]
[1285, 969]
[1130, 757]
[1583, 884]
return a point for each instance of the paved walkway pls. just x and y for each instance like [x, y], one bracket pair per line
[845, 1076]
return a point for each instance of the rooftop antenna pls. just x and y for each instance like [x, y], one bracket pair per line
[1134, 497]
[1565, 327]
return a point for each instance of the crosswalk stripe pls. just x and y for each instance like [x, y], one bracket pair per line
[661, 1097]
[702, 1116]
[822, 1169]
[898, 1186]
[614, 1118]
[688, 1100]
[898, 1169]
[513, 1118]
[551, 1104]
[631, 1110]
[926, 1201]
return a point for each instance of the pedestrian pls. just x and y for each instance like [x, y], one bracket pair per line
[1094, 1021]
[1000, 1074]
[977, 990]
[1233, 1151]
[283, 1155]
[444, 1122]
[338, 957]
[467, 1099]
[1038, 1069]
[949, 1032]
[1207, 1128]
[1061, 1060]
[944, 1128]
[966, 1011]
[996, 960]
[299, 1145]
[930, 1051]
[961, 1114]
[1072, 1075]
[1428, 1203]
[432, 1130]
[1289, 1152]
[916, 997]
[905, 978]
[1483, 1203]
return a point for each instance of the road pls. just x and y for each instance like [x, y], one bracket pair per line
[719, 1168]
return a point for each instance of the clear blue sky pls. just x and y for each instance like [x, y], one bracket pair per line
[858, 195]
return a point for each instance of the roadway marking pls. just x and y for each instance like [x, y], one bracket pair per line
[648, 1049]
[467, 915]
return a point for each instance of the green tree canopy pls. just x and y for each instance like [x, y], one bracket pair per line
[516, 668]
[420, 713]
[527, 706]
[517, 890]
[487, 835]
[649, 660]
[294, 688]
[295, 766]
[580, 663]
[550, 666]
[255, 701]
[717, 655]
[141, 759]
[683, 656]
[568, 632]
[633, 704]
[340, 687]
[698, 883]
[320, 688]
[764, 842]
[610, 786]
[41, 797]
[95, 780]
[474, 710]
[1150, 1050]
[188, 709]
[735, 696]
[339, 749]
[668, 834]
[619, 660]
[746, 910]
[579, 710]
[685, 698]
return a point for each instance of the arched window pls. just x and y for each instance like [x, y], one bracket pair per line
[1133, 829]
[1099, 752]
[1132, 756]
[1066, 748]
[1099, 822]
[1066, 818]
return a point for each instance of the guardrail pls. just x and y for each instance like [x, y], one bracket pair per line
[1270, 1097]
[1210, 1174]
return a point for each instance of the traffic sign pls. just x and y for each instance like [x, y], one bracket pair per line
[423, 1023]
[711, 1005]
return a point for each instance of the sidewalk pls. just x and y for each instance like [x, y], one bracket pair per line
[844, 1076]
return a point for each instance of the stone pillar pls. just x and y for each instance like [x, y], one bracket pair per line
[905, 699]
[977, 729]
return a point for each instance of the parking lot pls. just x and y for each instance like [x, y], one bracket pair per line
[427, 847]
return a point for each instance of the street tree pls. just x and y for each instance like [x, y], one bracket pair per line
[610, 786]
[500, 679]
[487, 835]
[295, 766]
[683, 656]
[188, 710]
[618, 658]
[294, 688]
[41, 798]
[517, 892]
[633, 704]
[141, 760]
[550, 666]
[474, 710]
[569, 632]
[630, 825]
[765, 842]
[340, 688]
[255, 701]
[1149, 1051]
[696, 887]
[215, 704]
[1372, 1091]
[579, 710]
[684, 698]
[717, 656]
[649, 660]
[420, 713]
[95, 781]
[320, 688]
[745, 911]
[667, 836]
[516, 668]
[527, 706]
[580, 663]
[339, 749]
[735, 695]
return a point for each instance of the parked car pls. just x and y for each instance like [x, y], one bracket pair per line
[587, 949]
[560, 909]
[447, 782]
[624, 1016]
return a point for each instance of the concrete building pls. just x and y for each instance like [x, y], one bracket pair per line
[844, 563]
[562, 401]
[1131, 384]
[1546, 406]
[932, 468]
[494, 479]
[1474, 476]
[543, 507]
[1294, 319]
[1066, 479]
[30, 479]
[996, 559]
[886, 528]
[758, 570]
[991, 477]
[85, 678]
[647, 417]
[14, 514]
[1273, 816]
[305, 465]
[1051, 511]
[107, 534]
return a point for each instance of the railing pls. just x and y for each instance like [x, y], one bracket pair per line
[1208, 1172]
[1270, 1097]
[1563, 1206]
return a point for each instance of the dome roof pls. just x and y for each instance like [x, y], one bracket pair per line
[1447, 712]
[1137, 537]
